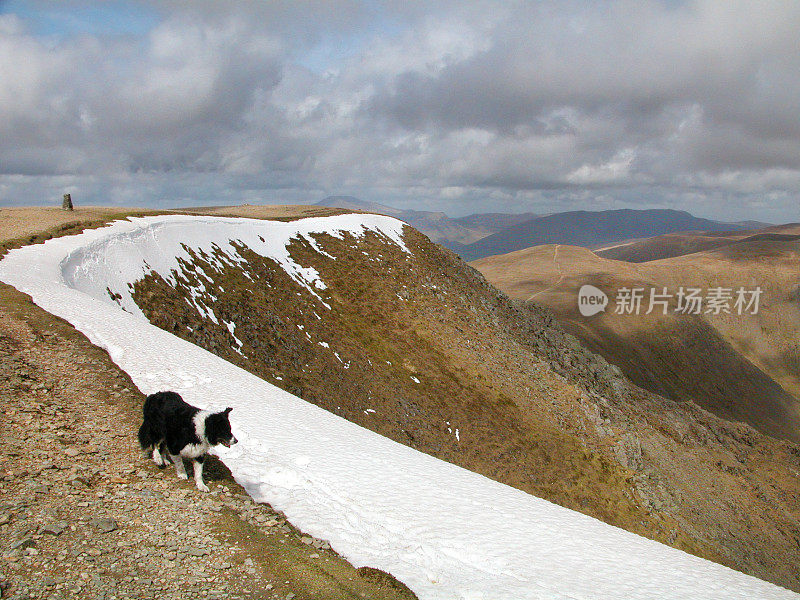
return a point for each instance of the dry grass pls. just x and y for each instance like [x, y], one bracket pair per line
[654, 351]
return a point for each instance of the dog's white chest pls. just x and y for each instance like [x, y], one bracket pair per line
[195, 450]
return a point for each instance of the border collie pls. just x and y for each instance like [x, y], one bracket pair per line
[179, 430]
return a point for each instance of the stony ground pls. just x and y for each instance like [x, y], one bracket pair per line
[83, 515]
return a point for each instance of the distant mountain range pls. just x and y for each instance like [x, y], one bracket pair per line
[452, 233]
[590, 229]
[488, 234]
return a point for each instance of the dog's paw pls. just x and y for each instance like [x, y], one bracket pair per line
[202, 487]
[157, 457]
[183, 476]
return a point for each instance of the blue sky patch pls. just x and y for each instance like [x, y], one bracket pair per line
[83, 18]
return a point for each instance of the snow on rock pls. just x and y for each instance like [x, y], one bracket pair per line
[446, 532]
[232, 330]
[114, 260]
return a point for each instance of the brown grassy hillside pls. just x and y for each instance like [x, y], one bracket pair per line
[743, 368]
[680, 244]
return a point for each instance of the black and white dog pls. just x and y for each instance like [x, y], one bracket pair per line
[183, 431]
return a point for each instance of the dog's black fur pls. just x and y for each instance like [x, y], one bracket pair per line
[183, 431]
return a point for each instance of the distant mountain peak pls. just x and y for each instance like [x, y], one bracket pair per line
[353, 203]
[441, 228]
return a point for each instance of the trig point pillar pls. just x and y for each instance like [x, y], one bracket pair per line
[67, 203]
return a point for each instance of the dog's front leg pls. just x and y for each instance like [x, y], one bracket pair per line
[177, 460]
[157, 457]
[198, 474]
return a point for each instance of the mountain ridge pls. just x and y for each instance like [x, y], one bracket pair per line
[480, 235]
[588, 229]
[450, 232]
[679, 244]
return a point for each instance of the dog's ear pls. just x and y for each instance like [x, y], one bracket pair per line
[227, 410]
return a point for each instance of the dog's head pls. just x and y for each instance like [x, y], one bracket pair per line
[218, 429]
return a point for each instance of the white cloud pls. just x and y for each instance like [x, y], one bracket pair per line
[615, 170]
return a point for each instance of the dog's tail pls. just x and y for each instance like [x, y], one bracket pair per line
[147, 439]
[147, 434]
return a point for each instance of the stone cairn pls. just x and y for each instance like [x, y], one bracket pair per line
[67, 203]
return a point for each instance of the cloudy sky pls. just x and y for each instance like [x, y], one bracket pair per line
[455, 106]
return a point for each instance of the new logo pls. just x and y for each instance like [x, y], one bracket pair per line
[591, 300]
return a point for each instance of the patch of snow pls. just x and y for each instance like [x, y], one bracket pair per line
[324, 344]
[346, 365]
[448, 533]
[414, 379]
[232, 328]
[317, 249]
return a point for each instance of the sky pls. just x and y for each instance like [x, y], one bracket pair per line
[455, 106]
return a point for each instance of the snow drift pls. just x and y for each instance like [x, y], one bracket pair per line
[444, 531]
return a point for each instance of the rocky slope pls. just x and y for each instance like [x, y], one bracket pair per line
[418, 347]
